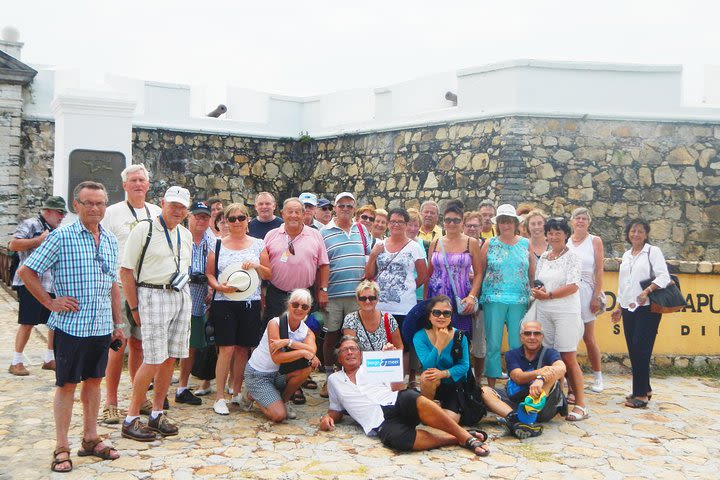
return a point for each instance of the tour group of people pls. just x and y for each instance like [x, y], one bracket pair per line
[274, 298]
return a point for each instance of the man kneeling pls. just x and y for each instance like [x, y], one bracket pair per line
[533, 394]
[391, 415]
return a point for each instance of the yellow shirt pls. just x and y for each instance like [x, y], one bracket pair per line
[430, 236]
[488, 235]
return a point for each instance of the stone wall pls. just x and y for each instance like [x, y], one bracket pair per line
[665, 172]
[36, 160]
[10, 119]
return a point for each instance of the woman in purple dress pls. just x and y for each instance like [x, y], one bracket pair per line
[451, 259]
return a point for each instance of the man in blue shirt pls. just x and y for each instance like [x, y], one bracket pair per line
[528, 378]
[85, 315]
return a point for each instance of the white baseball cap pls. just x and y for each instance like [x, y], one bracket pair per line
[178, 195]
[307, 197]
[342, 195]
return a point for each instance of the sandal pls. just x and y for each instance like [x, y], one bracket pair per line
[473, 443]
[298, 397]
[310, 384]
[106, 453]
[574, 416]
[571, 398]
[56, 461]
[630, 396]
[636, 403]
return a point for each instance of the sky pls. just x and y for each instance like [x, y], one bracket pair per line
[310, 47]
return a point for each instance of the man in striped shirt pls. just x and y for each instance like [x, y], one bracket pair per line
[85, 314]
[347, 245]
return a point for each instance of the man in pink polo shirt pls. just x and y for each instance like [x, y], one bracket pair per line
[298, 259]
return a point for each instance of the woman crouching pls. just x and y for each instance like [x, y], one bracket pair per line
[282, 361]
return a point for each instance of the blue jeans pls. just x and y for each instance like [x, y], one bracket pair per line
[497, 315]
[641, 327]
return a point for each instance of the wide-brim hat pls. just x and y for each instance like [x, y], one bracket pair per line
[245, 281]
[506, 210]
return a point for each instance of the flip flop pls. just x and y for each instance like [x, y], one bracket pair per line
[636, 403]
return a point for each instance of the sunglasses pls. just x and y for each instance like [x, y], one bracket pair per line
[456, 221]
[236, 218]
[304, 306]
[347, 206]
[369, 298]
[326, 208]
[532, 334]
[441, 313]
[291, 247]
[367, 219]
[103, 266]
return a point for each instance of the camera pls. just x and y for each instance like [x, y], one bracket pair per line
[116, 344]
[538, 284]
[179, 280]
[198, 278]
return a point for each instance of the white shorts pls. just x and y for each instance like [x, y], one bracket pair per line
[563, 329]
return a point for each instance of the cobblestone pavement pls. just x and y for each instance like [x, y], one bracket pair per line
[677, 437]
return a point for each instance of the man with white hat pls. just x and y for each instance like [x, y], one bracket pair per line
[309, 201]
[347, 250]
[155, 279]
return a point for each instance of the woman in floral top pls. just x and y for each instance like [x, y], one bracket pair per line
[370, 325]
[507, 265]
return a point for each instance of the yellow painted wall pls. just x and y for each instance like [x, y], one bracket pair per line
[694, 331]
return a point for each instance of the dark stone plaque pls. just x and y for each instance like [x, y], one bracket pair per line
[98, 166]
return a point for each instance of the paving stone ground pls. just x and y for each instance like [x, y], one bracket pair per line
[677, 437]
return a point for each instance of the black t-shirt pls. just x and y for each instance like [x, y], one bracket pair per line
[259, 229]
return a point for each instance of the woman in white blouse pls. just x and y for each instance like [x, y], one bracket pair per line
[642, 262]
[558, 306]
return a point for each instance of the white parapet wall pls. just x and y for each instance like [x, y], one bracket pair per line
[518, 87]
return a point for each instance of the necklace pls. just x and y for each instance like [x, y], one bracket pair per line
[555, 257]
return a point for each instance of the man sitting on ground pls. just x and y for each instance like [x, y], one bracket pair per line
[528, 378]
[393, 416]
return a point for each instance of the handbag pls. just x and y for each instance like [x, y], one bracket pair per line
[459, 305]
[204, 364]
[472, 407]
[298, 364]
[664, 300]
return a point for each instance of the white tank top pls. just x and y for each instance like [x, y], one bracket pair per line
[261, 360]
[586, 253]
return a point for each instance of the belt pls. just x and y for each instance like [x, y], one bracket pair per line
[156, 287]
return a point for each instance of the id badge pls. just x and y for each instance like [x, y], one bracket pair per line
[284, 257]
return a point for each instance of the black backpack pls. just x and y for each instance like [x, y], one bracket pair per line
[472, 408]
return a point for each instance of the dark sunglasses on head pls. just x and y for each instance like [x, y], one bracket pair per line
[369, 298]
[304, 306]
[442, 313]
[456, 221]
[367, 219]
[236, 218]
[532, 334]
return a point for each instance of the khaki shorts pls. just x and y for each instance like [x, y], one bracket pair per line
[337, 309]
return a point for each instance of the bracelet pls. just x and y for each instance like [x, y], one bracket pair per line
[472, 296]
[134, 309]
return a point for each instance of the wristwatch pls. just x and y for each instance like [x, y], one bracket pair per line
[323, 289]
[540, 377]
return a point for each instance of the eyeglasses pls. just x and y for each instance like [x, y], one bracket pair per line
[369, 298]
[367, 218]
[89, 204]
[397, 223]
[472, 225]
[103, 266]
[532, 334]
[345, 350]
[326, 208]
[456, 221]
[441, 313]
[304, 306]
[345, 205]
[236, 218]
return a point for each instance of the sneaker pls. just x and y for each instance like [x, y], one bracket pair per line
[291, 414]
[19, 370]
[110, 415]
[187, 397]
[49, 365]
[519, 429]
[324, 391]
[597, 386]
[146, 407]
[162, 425]
[201, 392]
[236, 399]
[136, 430]
[220, 407]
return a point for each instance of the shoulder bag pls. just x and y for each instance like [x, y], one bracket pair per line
[298, 364]
[472, 408]
[459, 305]
[664, 300]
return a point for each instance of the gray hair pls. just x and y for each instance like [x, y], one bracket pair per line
[581, 211]
[138, 167]
[343, 339]
[90, 185]
[292, 199]
[432, 203]
[486, 203]
[529, 321]
[300, 295]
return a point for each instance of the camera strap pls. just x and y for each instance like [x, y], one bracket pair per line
[169, 242]
[132, 210]
[145, 247]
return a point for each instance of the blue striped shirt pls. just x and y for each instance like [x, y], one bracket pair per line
[347, 259]
[198, 291]
[77, 264]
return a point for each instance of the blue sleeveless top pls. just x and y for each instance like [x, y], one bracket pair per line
[506, 274]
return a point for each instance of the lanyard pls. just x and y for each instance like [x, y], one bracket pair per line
[167, 237]
[132, 210]
[45, 224]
